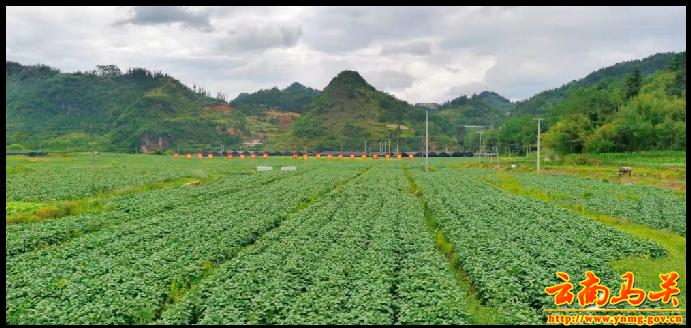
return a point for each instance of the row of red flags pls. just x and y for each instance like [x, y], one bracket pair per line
[295, 156]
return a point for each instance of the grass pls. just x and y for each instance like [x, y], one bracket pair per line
[655, 158]
[58, 209]
[24, 212]
[17, 207]
[665, 176]
[645, 269]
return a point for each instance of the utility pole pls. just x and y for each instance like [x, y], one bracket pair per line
[426, 139]
[538, 144]
[365, 147]
[496, 147]
[480, 133]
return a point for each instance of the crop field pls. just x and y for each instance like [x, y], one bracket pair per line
[150, 239]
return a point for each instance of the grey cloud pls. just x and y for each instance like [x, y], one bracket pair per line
[154, 15]
[412, 48]
[389, 79]
[344, 29]
[429, 53]
[261, 37]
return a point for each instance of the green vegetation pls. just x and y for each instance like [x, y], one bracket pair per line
[540, 103]
[650, 158]
[294, 98]
[108, 110]
[348, 112]
[511, 247]
[655, 207]
[349, 241]
[622, 115]
[64, 178]
[631, 106]
[349, 258]
[645, 268]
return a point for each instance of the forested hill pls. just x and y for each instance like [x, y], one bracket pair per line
[348, 112]
[541, 102]
[109, 110]
[293, 98]
[639, 105]
[634, 105]
[485, 108]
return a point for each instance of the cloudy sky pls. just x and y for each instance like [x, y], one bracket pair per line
[419, 54]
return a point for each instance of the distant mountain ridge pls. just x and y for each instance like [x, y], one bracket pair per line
[540, 103]
[138, 109]
[109, 110]
[293, 98]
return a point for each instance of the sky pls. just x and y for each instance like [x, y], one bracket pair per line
[418, 54]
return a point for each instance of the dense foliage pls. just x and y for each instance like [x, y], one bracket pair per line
[511, 247]
[630, 106]
[541, 102]
[127, 272]
[652, 206]
[107, 110]
[349, 241]
[349, 111]
[359, 256]
[294, 98]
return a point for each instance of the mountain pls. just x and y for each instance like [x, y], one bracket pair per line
[350, 112]
[293, 98]
[110, 110]
[485, 108]
[630, 106]
[541, 102]
[633, 105]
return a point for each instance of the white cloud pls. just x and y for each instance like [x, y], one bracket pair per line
[419, 54]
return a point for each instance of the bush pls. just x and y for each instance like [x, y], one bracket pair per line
[15, 147]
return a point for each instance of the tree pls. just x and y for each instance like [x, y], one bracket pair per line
[678, 66]
[108, 70]
[568, 135]
[632, 84]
